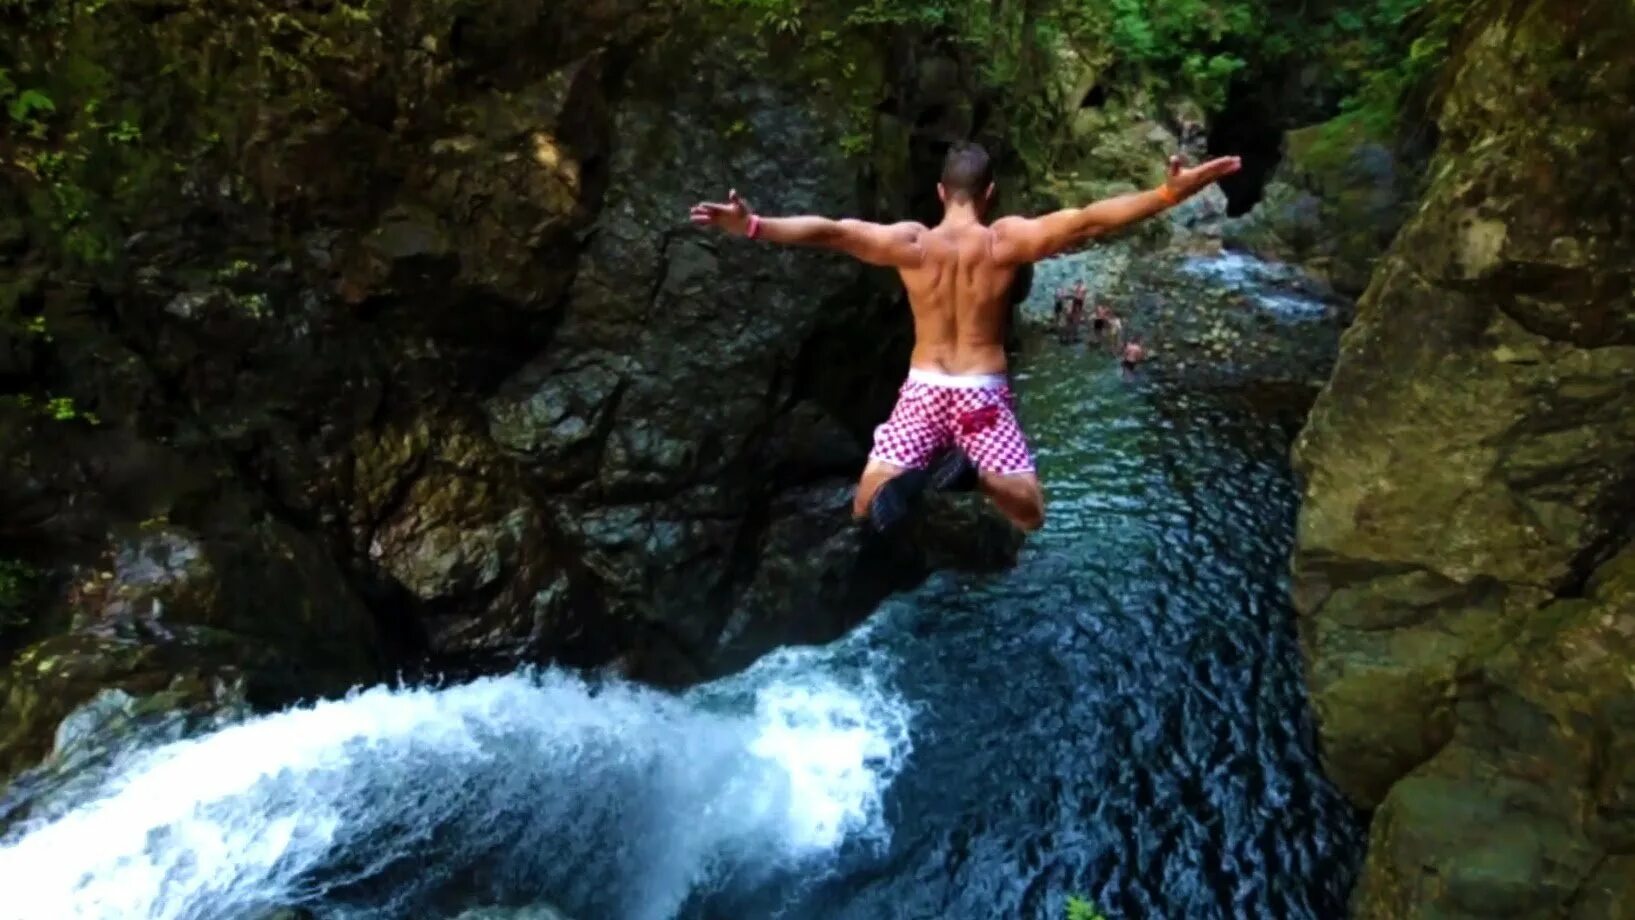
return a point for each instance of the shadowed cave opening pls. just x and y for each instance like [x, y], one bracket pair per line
[1248, 126]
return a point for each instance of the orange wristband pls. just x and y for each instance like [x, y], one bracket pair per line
[1168, 194]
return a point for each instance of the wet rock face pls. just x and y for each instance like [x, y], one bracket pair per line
[1463, 559]
[419, 329]
[177, 612]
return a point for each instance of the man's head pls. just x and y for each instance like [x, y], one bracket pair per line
[967, 176]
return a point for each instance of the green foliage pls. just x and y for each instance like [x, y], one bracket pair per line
[1190, 47]
[255, 304]
[61, 408]
[80, 106]
[124, 133]
[1080, 909]
[53, 408]
[1375, 110]
[237, 268]
[27, 109]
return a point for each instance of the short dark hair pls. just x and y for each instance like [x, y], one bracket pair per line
[968, 171]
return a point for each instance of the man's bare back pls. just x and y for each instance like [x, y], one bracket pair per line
[958, 292]
[957, 402]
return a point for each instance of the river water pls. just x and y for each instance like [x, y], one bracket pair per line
[1121, 716]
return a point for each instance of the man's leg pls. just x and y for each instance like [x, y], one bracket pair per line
[896, 473]
[1018, 497]
[1001, 453]
[875, 474]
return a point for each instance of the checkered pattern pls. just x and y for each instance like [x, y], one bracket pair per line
[928, 418]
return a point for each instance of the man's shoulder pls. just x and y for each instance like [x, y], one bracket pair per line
[1014, 231]
[1009, 224]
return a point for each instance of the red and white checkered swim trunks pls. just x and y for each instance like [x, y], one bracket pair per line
[975, 412]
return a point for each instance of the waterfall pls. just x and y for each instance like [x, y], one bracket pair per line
[609, 800]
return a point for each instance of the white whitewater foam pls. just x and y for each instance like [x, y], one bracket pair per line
[613, 801]
[1270, 286]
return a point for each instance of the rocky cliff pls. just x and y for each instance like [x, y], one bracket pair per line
[1465, 573]
[346, 338]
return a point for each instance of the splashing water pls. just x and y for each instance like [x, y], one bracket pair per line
[613, 801]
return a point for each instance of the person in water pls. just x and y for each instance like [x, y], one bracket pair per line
[1063, 298]
[1075, 314]
[1113, 332]
[956, 407]
[1133, 355]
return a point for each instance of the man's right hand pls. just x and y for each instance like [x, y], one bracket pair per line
[1185, 182]
[732, 216]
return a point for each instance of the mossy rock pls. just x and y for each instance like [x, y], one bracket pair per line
[1463, 571]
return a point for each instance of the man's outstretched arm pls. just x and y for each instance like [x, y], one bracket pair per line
[895, 245]
[1029, 239]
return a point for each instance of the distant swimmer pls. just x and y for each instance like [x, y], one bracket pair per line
[1075, 314]
[1133, 355]
[955, 415]
[1059, 315]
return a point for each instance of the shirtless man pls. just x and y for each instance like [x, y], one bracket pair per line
[1075, 314]
[1098, 321]
[1060, 314]
[1114, 332]
[1133, 355]
[958, 275]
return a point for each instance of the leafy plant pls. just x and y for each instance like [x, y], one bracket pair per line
[30, 103]
[26, 110]
[55, 408]
[234, 269]
[1080, 909]
[124, 133]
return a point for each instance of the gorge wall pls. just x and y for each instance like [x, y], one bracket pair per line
[344, 340]
[1465, 572]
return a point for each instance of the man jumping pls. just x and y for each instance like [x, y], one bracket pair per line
[957, 275]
